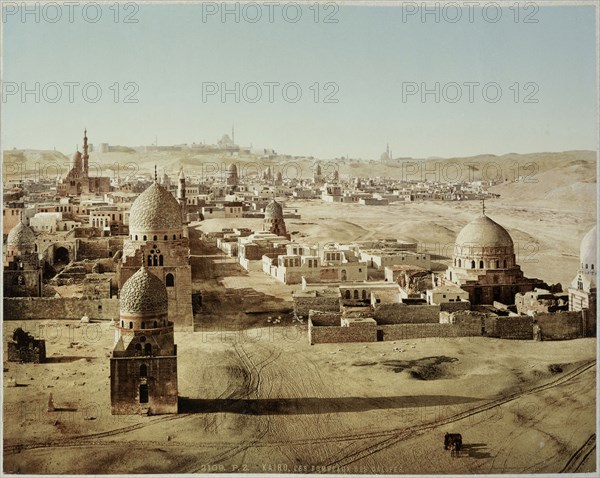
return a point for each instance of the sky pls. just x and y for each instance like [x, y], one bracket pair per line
[511, 85]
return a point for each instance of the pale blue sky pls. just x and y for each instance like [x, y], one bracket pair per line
[369, 53]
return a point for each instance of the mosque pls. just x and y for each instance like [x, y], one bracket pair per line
[273, 221]
[484, 264]
[143, 365]
[158, 240]
[22, 268]
[582, 293]
[77, 180]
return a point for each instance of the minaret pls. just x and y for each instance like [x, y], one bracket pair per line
[181, 196]
[85, 154]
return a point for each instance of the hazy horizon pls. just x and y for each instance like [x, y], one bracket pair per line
[370, 61]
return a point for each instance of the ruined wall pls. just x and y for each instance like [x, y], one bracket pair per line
[98, 247]
[407, 314]
[328, 303]
[560, 325]
[59, 308]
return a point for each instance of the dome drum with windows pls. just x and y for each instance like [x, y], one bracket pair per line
[143, 302]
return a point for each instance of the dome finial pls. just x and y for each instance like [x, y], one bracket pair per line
[155, 174]
[483, 206]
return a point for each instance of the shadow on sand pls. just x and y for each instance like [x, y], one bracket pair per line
[475, 450]
[301, 406]
[66, 359]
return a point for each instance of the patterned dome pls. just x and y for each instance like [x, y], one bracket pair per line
[587, 250]
[21, 236]
[144, 293]
[483, 232]
[156, 209]
[273, 210]
[232, 169]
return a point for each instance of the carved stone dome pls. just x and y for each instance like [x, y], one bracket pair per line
[144, 293]
[273, 210]
[483, 232]
[21, 236]
[156, 209]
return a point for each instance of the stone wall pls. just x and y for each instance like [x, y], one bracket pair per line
[59, 308]
[520, 328]
[416, 331]
[406, 314]
[336, 334]
[327, 303]
[560, 325]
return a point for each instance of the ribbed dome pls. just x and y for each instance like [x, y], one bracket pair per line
[76, 156]
[144, 293]
[21, 236]
[483, 232]
[232, 169]
[156, 209]
[273, 210]
[587, 249]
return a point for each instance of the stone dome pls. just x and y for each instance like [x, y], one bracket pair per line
[144, 293]
[76, 156]
[483, 232]
[273, 210]
[156, 209]
[587, 250]
[21, 236]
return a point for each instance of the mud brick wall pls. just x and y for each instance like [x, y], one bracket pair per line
[337, 334]
[455, 306]
[417, 331]
[59, 308]
[560, 325]
[302, 305]
[407, 314]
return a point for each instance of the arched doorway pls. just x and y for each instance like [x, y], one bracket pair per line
[61, 255]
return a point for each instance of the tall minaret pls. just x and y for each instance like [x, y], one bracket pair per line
[85, 154]
[181, 196]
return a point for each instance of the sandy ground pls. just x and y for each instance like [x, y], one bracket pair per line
[264, 400]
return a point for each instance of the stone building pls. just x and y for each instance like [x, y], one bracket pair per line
[22, 266]
[582, 293]
[143, 365]
[77, 181]
[484, 264]
[232, 175]
[273, 221]
[158, 239]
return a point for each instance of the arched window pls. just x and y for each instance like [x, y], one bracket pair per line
[136, 237]
[148, 349]
[472, 264]
[143, 325]
[131, 325]
[122, 323]
[356, 295]
[166, 237]
[481, 264]
[497, 264]
[459, 263]
[592, 266]
[145, 238]
[149, 260]
[160, 260]
[170, 280]
[505, 263]
[143, 370]
[155, 238]
[347, 294]
[155, 324]
[364, 294]
[174, 237]
[138, 347]
[155, 260]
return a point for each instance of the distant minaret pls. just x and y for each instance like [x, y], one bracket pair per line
[181, 196]
[85, 154]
